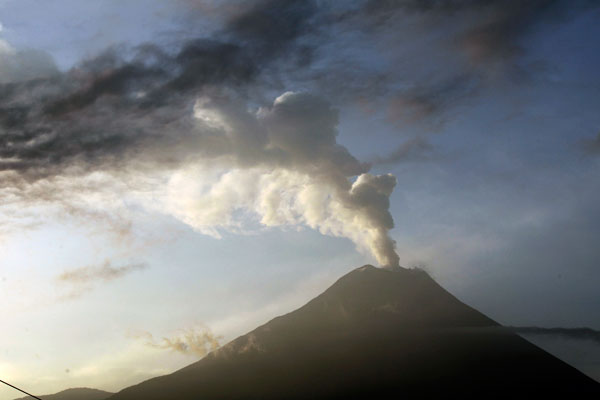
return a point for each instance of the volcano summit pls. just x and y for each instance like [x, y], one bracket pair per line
[375, 333]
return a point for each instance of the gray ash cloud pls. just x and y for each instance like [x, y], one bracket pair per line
[108, 108]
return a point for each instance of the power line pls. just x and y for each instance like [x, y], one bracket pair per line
[20, 390]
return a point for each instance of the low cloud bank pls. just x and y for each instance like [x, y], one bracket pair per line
[568, 333]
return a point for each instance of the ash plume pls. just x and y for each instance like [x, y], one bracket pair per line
[285, 168]
[106, 109]
[135, 123]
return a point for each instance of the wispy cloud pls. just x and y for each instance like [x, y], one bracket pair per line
[197, 341]
[95, 273]
[83, 279]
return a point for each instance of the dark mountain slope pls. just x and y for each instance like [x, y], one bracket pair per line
[374, 334]
[74, 394]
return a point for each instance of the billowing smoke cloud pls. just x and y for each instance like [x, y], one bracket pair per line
[148, 117]
[285, 168]
[280, 163]
[197, 341]
[189, 125]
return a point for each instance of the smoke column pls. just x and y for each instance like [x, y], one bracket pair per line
[188, 133]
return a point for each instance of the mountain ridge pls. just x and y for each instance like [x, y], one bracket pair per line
[373, 333]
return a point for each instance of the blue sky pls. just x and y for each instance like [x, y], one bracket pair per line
[487, 117]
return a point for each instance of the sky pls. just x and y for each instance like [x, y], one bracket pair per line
[175, 173]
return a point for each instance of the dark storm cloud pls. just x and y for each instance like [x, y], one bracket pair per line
[428, 101]
[108, 105]
[568, 333]
[271, 25]
[108, 108]
[127, 104]
[445, 52]
[492, 30]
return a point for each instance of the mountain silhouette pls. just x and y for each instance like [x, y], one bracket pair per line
[74, 394]
[377, 334]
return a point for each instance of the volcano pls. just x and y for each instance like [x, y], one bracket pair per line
[377, 334]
